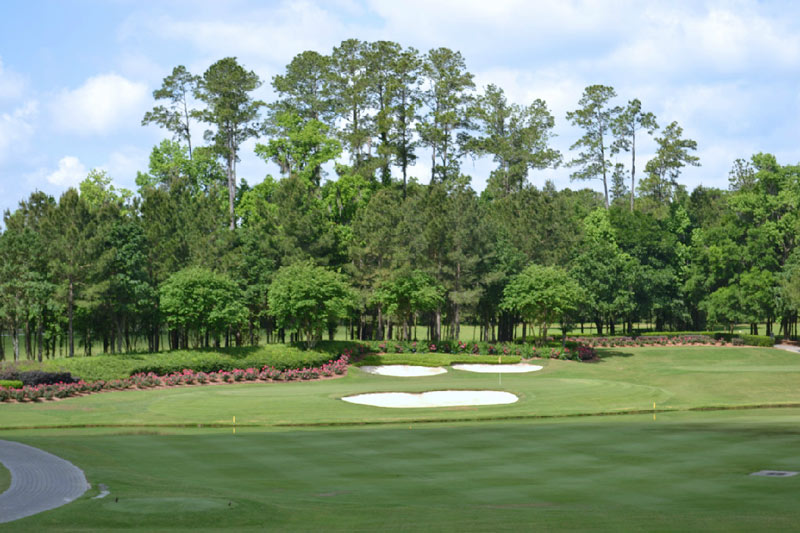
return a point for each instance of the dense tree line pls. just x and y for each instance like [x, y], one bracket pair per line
[198, 257]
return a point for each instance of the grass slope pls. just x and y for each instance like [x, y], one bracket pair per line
[622, 381]
[684, 471]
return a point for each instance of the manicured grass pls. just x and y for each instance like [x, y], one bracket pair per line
[684, 471]
[624, 380]
[301, 459]
[5, 478]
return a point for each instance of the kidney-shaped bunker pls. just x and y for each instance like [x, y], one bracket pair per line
[437, 398]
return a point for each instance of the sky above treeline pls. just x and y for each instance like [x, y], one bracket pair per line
[77, 76]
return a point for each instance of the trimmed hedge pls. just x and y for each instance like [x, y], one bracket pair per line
[32, 378]
[215, 362]
[11, 383]
[757, 340]
[434, 359]
[120, 366]
[185, 377]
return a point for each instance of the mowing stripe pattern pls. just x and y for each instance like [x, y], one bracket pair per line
[40, 481]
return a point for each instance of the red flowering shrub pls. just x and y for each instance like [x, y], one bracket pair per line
[335, 367]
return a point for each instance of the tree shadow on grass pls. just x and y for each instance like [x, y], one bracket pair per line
[604, 353]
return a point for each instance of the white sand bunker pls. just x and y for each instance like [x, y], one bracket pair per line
[504, 369]
[404, 371]
[437, 398]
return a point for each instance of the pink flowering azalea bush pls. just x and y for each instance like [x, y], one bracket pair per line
[334, 367]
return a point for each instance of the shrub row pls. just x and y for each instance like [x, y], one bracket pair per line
[36, 377]
[434, 359]
[11, 383]
[461, 347]
[184, 377]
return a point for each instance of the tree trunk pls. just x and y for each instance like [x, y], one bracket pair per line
[231, 160]
[70, 302]
[118, 322]
[603, 162]
[15, 340]
[633, 165]
[39, 337]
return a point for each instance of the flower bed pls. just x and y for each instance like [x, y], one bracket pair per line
[185, 377]
[660, 340]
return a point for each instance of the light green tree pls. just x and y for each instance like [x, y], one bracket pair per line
[543, 294]
[197, 301]
[306, 298]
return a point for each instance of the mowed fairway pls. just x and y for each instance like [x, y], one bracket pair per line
[301, 459]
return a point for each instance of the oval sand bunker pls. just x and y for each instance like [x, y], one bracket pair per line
[494, 369]
[404, 371]
[437, 398]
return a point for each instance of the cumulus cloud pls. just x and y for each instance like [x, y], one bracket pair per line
[268, 36]
[100, 105]
[70, 172]
[16, 128]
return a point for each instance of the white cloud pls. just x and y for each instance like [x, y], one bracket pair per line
[100, 105]
[267, 36]
[16, 128]
[69, 174]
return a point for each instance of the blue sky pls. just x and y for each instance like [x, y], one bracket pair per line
[76, 76]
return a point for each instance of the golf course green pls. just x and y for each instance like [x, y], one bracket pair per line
[583, 448]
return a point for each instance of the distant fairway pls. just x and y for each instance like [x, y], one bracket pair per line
[303, 459]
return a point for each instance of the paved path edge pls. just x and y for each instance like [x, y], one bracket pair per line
[40, 481]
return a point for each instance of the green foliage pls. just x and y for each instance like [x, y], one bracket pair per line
[108, 367]
[176, 88]
[757, 340]
[282, 358]
[306, 298]
[11, 383]
[300, 148]
[597, 119]
[664, 169]
[515, 136]
[543, 294]
[197, 300]
[436, 359]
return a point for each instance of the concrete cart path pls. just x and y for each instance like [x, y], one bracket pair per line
[789, 347]
[40, 481]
